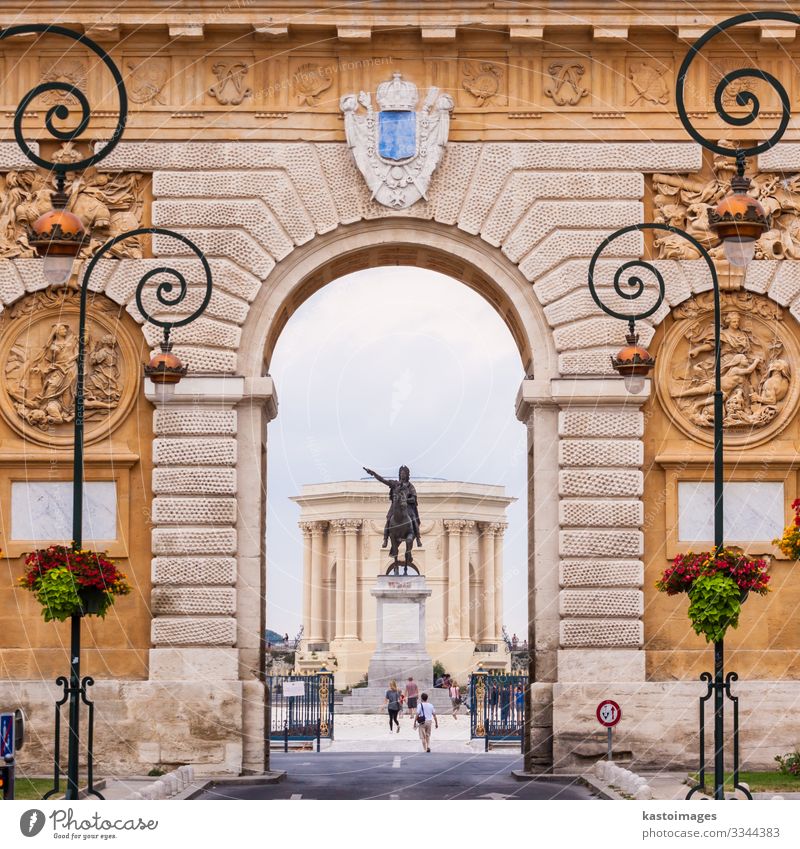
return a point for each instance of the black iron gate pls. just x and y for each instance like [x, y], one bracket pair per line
[301, 707]
[497, 707]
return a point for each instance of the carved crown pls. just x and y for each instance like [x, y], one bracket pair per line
[397, 94]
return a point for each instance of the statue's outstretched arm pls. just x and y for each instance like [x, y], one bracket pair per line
[376, 475]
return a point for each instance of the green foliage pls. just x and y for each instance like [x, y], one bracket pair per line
[58, 594]
[789, 764]
[438, 669]
[155, 772]
[715, 606]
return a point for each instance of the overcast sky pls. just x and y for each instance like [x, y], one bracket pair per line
[383, 367]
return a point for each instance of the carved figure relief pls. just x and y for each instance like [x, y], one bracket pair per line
[71, 71]
[309, 82]
[482, 80]
[230, 89]
[40, 350]
[147, 81]
[397, 149]
[565, 83]
[759, 357]
[107, 203]
[720, 68]
[684, 201]
[648, 82]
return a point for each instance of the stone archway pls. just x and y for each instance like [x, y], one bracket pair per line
[423, 244]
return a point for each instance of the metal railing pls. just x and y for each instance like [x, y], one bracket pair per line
[497, 707]
[301, 707]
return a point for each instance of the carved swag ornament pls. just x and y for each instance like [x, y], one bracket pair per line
[759, 358]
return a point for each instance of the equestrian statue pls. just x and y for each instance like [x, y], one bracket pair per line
[402, 520]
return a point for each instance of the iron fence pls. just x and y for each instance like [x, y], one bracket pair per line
[497, 707]
[301, 707]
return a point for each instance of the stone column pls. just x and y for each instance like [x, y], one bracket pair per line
[466, 531]
[317, 591]
[499, 529]
[351, 529]
[453, 529]
[339, 587]
[305, 527]
[487, 572]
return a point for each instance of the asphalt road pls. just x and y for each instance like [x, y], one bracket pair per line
[350, 775]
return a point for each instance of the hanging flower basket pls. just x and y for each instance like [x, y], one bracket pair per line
[717, 583]
[72, 583]
[789, 543]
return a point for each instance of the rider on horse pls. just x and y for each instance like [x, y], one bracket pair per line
[411, 499]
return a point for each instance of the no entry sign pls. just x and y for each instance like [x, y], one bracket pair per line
[608, 713]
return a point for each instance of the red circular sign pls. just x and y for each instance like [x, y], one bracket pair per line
[609, 713]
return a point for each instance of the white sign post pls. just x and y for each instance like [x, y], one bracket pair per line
[609, 714]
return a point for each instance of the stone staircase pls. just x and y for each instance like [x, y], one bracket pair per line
[372, 700]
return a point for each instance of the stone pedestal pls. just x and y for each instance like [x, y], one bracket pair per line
[400, 648]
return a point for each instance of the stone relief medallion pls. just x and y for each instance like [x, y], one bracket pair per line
[39, 349]
[759, 362]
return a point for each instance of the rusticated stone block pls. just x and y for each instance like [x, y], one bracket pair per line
[194, 570]
[601, 603]
[194, 452]
[600, 483]
[593, 514]
[600, 422]
[191, 601]
[600, 452]
[190, 481]
[596, 332]
[194, 541]
[594, 361]
[272, 187]
[193, 631]
[601, 573]
[620, 633]
[194, 511]
[194, 421]
[601, 543]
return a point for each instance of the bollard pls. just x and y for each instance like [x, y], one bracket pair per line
[285, 736]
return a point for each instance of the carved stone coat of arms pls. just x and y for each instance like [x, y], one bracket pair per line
[397, 148]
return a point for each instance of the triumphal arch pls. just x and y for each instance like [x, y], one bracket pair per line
[294, 144]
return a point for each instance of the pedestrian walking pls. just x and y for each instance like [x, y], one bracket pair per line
[412, 695]
[455, 697]
[393, 705]
[426, 716]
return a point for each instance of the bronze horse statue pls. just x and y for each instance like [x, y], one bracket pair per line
[401, 528]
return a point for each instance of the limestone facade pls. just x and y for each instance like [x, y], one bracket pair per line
[559, 123]
[461, 558]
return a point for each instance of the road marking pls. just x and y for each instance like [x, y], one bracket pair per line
[394, 796]
[295, 796]
[496, 796]
[396, 763]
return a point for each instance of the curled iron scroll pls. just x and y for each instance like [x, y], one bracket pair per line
[744, 98]
[634, 285]
[169, 293]
[60, 112]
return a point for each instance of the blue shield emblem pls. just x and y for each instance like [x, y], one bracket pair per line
[397, 134]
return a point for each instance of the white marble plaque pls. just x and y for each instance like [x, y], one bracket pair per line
[41, 511]
[400, 622]
[753, 511]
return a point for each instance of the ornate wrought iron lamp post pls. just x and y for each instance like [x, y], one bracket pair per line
[738, 220]
[58, 236]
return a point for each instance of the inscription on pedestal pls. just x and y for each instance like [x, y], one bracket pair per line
[400, 622]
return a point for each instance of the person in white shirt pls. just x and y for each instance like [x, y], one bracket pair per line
[426, 716]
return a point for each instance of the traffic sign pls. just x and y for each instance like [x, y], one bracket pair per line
[608, 713]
